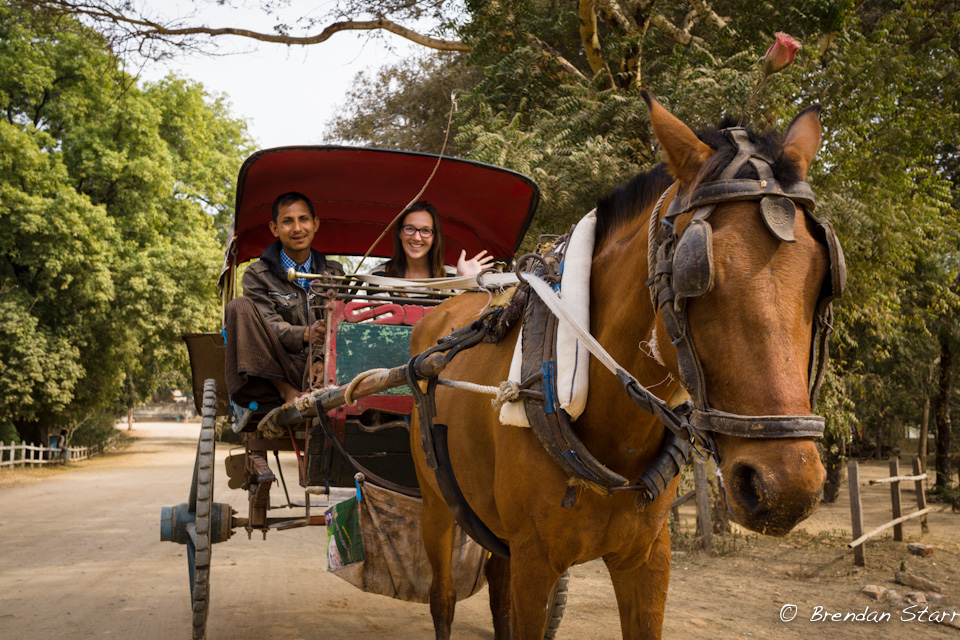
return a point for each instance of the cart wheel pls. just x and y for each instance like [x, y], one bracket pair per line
[555, 606]
[201, 505]
[200, 522]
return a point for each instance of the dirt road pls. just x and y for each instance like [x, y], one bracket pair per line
[82, 558]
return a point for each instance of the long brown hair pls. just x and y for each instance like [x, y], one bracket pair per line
[396, 267]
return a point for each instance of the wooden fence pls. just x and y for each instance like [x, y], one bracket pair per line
[701, 493]
[30, 454]
[856, 509]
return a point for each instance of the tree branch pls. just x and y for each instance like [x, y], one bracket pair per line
[707, 14]
[613, 14]
[590, 38]
[671, 31]
[336, 27]
[552, 54]
[144, 28]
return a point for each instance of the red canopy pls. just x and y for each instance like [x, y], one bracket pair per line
[357, 191]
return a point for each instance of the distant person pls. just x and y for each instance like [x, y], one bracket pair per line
[418, 248]
[268, 328]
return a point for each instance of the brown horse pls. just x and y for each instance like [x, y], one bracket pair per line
[752, 333]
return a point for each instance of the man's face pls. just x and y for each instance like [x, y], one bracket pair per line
[295, 227]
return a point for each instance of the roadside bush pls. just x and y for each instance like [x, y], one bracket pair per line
[94, 430]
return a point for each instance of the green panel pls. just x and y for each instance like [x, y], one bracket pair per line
[372, 346]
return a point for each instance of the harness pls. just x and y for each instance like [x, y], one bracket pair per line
[681, 266]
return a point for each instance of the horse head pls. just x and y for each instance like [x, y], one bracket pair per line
[744, 307]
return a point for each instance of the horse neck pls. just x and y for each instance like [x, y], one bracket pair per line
[622, 318]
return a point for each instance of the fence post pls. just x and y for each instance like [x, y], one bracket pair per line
[921, 496]
[895, 498]
[703, 503]
[856, 511]
[1, 453]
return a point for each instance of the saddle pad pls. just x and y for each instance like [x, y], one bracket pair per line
[573, 358]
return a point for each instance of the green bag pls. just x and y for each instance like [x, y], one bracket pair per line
[343, 529]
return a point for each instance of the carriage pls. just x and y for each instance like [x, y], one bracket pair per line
[681, 261]
[356, 193]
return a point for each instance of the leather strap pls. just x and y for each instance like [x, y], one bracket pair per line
[742, 189]
[800, 426]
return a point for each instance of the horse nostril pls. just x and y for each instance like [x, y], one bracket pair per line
[748, 486]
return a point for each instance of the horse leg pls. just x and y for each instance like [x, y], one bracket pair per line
[531, 582]
[640, 583]
[438, 541]
[498, 581]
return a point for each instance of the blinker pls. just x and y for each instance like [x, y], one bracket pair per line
[778, 214]
[693, 261]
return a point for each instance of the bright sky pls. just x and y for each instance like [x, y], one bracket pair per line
[285, 93]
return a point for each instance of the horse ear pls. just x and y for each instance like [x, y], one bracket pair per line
[684, 151]
[803, 138]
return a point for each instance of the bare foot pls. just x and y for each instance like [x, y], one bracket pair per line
[287, 391]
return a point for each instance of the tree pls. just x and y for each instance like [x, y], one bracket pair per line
[406, 106]
[112, 194]
[551, 88]
[887, 75]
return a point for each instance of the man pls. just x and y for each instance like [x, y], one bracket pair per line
[268, 330]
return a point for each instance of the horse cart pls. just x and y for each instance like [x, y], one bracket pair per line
[345, 436]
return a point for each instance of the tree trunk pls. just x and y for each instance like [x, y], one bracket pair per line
[925, 417]
[129, 419]
[834, 455]
[944, 464]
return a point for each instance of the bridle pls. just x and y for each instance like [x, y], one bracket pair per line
[681, 267]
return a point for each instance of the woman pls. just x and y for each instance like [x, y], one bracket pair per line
[418, 248]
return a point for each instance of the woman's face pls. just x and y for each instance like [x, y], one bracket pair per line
[416, 246]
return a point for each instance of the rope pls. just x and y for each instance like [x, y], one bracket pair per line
[508, 391]
[453, 107]
[348, 394]
[268, 424]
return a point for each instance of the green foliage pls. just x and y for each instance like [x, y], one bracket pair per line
[8, 434]
[406, 106]
[112, 196]
[93, 429]
[888, 174]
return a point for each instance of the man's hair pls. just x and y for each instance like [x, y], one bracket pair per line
[288, 199]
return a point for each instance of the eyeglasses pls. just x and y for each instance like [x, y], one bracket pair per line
[425, 233]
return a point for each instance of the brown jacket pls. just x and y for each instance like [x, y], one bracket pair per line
[283, 304]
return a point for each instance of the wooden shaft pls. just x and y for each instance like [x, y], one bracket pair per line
[431, 366]
[895, 499]
[856, 544]
[856, 512]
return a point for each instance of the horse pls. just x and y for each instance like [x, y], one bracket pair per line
[752, 334]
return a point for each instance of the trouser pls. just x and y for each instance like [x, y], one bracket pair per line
[254, 356]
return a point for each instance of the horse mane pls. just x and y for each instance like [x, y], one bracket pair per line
[632, 198]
